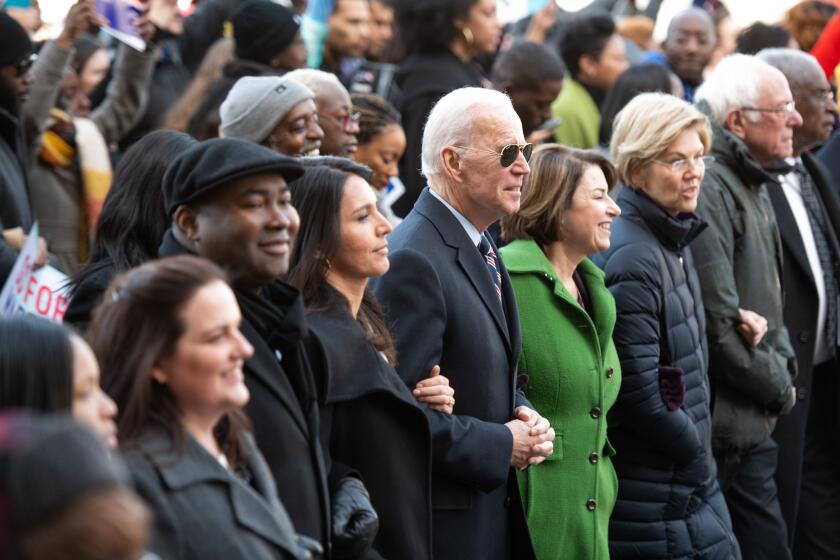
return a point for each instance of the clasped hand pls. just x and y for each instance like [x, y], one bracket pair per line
[436, 392]
[533, 438]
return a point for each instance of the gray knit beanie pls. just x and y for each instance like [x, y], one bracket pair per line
[255, 105]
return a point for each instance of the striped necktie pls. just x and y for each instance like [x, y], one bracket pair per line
[492, 265]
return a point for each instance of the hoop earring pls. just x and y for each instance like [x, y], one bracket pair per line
[468, 35]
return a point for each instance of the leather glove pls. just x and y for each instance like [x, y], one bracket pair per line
[354, 521]
[308, 548]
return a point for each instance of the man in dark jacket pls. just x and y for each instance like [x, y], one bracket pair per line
[738, 262]
[268, 42]
[230, 203]
[450, 306]
[808, 212]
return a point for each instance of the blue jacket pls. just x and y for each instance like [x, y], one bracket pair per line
[669, 502]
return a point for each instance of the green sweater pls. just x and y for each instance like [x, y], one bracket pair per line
[580, 116]
[573, 380]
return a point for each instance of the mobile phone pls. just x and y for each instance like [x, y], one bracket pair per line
[550, 124]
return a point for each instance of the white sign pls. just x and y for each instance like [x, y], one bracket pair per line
[41, 292]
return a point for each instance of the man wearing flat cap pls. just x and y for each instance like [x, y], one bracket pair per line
[268, 42]
[230, 203]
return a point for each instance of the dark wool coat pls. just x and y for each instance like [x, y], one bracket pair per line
[203, 511]
[443, 309]
[283, 406]
[372, 423]
[669, 502]
[801, 306]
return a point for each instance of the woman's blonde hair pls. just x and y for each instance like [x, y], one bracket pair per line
[648, 125]
[548, 190]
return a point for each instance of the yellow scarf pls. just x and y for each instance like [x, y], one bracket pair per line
[94, 161]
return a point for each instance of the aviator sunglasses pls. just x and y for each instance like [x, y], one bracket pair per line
[508, 154]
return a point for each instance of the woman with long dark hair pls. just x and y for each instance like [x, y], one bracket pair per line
[369, 415]
[167, 335]
[132, 222]
[48, 368]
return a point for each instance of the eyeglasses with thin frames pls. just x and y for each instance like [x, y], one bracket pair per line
[345, 118]
[508, 154]
[683, 165]
[785, 110]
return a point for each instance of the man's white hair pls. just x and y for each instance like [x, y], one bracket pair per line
[735, 82]
[451, 120]
[316, 80]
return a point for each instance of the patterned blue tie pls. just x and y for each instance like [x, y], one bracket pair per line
[492, 266]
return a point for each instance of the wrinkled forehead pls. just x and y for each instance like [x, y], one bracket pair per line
[773, 90]
[497, 128]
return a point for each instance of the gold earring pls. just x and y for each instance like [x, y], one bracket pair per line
[468, 35]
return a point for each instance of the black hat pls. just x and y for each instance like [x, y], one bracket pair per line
[14, 41]
[37, 478]
[262, 29]
[214, 163]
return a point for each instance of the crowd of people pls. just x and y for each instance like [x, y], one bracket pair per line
[368, 279]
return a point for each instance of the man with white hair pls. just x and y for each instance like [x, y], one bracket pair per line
[449, 300]
[335, 111]
[738, 261]
[808, 213]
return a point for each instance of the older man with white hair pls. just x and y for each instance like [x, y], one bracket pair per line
[450, 301]
[738, 261]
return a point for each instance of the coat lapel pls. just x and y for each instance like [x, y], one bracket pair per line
[469, 259]
[788, 229]
[264, 366]
[259, 512]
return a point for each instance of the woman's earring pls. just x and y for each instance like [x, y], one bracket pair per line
[468, 35]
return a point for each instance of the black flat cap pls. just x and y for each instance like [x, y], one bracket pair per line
[214, 163]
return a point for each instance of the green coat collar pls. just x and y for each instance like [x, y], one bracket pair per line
[526, 257]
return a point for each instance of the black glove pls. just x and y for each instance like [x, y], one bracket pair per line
[354, 521]
[307, 548]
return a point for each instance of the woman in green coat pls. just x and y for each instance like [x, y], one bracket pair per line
[567, 316]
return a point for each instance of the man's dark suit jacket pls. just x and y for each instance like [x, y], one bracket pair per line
[800, 315]
[442, 308]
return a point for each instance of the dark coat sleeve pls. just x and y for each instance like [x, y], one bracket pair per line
[762, 372]
[463, 447]
[632, 277]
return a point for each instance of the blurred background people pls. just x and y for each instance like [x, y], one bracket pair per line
[381, 30]
[279, 113]
[441, 39]
[67, 497]
[760, 36]
[566, 315]
[336, 117]
[661, 422]
[688, 48]
[132, 222]
[169, 342]
[595, 57]
[48, 368]
[267, 42]
[381, 145]
[72, 173]
[347, 42]
[642, 78]
[532, 76]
